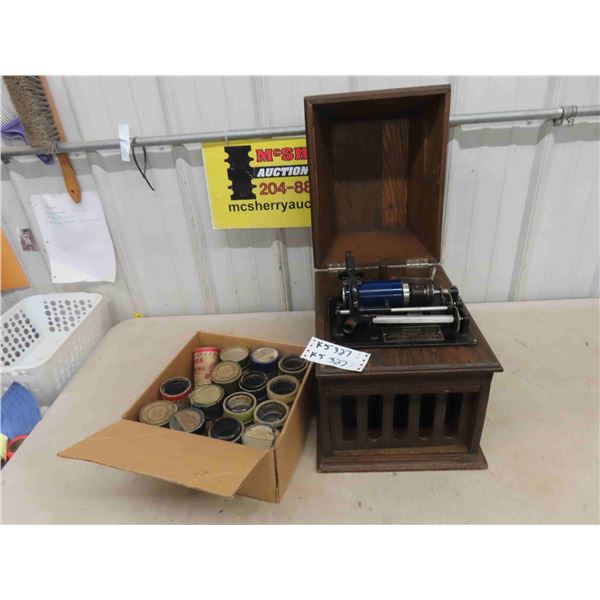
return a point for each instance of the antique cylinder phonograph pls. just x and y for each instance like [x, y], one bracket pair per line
[377, 167]
[375, 312]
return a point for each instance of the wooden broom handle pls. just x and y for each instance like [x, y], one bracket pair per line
[68, 172]
[70, 178]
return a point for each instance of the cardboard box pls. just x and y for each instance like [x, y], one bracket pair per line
[199, 462]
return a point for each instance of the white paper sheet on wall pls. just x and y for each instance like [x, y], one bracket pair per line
[76, 237]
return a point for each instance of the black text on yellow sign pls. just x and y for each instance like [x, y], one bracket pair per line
[258, 183]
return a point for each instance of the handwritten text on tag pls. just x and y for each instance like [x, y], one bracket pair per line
[332, 355]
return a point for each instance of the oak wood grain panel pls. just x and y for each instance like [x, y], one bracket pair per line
[438, 418]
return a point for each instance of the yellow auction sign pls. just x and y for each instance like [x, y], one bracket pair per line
[258, 183]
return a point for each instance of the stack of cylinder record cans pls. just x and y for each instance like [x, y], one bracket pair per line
[238, 395]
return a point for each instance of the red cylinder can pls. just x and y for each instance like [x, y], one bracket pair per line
[205, 358]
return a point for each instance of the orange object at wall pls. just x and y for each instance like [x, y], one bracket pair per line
[13, 276]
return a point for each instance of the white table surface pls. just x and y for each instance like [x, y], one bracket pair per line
[540, 437]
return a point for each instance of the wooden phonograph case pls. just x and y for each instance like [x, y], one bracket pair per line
[377, 164]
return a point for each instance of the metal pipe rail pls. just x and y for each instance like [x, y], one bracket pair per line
[556, 114]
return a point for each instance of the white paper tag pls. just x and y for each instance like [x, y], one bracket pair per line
[75, 237]
[124, 141]
[332, 355]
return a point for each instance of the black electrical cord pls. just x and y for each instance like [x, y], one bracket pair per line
[142, 172]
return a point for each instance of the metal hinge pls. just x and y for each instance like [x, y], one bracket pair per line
[411, 262]
[333, 267]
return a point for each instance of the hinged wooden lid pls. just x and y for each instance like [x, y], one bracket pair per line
[377, 164]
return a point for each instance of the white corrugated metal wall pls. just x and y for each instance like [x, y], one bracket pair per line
[521, 219]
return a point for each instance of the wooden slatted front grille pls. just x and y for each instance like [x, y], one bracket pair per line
[396, 420]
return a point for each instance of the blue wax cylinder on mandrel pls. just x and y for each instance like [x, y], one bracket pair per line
[380, 293]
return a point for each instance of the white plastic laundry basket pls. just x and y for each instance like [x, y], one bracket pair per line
[45, 339]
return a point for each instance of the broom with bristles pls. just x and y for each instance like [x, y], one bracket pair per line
[32, 101]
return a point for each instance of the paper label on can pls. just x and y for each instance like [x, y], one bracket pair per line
[332, 355]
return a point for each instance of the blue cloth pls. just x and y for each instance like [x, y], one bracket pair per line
[19, 413]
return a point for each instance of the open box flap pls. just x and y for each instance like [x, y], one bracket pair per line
[190, 460]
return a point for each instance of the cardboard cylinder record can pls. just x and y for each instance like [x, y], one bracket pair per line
[265, 359]
[209, 399]
[283, 388]
[189, 420]
[205, 359]
[238, 354]
[254, 382]
[293, 365]
[227, 374]
[177, 390]
[271, 412]
[227, 429]
[157, 413]
[259, 436]
[240, 406]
